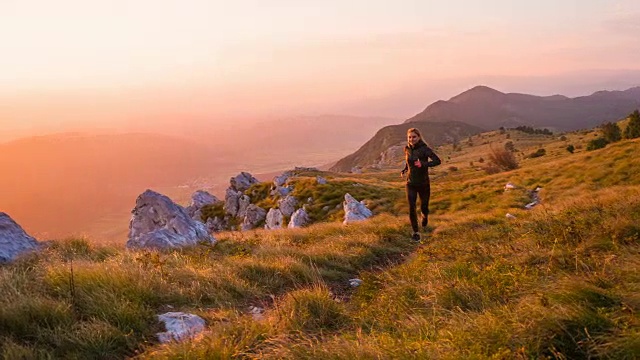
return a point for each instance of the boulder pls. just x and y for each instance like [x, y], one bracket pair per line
[198, 200]
[159, 223]
[231, 201]
[253, 217]
[180, 326]
[287, 205]
[281, 191]
[274, 219]
[14, 241]
[321, 180]
[242, 181]
[280, 180]
[299, 218]
[354, 210]
[243, 203]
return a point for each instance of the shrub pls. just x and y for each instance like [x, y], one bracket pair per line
[571, 148]
[538, 153]
[596, 144]
[509, 146]
[633, 128]
[453, 168]
[611, 132]
[503, 159]
[563, 138]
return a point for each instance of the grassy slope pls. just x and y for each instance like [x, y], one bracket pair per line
[559, 281]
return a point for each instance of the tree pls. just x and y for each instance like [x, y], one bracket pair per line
[633, 128]
[611, 132]
[509, 146]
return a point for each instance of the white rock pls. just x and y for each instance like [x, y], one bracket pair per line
[255, 214]
[354, 210]
[531, 205]
[243, 204]
[231, 200]
[321, 180]
[274, 219]
[287, 205]
[180, 326]
[280, 180]
[14, 241]
[256, 312]
[355, 282]
[510, 216]
[509, 186]
[281, 191]
[159, 223]
[299, 218]
[199, 199]
[242, 181]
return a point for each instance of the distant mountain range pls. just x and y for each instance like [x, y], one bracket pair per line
[489, 109]
[483, 108]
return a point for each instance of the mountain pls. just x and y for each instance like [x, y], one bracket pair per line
[489, 109]
[435, 133]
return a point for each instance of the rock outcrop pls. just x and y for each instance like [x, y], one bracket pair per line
[299, 218]
[287, 205]
[14, 241]
[354, 210]
[253, 217]
[274, 219]
[159, 223]
[199, 199]
[242, 181]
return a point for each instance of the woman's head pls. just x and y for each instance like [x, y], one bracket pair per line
[413, 136]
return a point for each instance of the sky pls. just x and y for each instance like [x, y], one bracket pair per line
[85, 63]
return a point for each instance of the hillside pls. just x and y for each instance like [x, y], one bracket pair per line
[490, 109]
[435, 133]
[558, 281]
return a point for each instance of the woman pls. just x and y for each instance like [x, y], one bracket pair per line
[417, 164]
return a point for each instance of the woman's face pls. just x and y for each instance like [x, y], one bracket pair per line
[413, 138]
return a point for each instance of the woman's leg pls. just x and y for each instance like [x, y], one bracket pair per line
[425, 194]
[412, 197]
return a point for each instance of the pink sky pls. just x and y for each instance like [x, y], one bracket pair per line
[81, 63]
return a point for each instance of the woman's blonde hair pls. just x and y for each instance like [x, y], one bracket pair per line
[417, 132]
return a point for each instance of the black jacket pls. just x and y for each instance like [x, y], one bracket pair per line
[419, 175]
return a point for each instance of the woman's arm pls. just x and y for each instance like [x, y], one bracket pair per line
[435, 160]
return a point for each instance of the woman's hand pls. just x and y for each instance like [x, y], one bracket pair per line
[417, 164]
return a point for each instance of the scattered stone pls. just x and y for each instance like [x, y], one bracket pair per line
[509, 186]
[287, 205]
[510, 216]
[14, 241]
[299, 218]
[355, 282]
[198, 200]
[253, 217]
[356, 170]
[280, 180]
[281, 191]
[326, 208]
[354, 210]
[180, 326]
[321, 180]
[159, 223]
[243, 204]
[242, 181]
[256, 312]
[309, 200]
[231, 201]
[274, 219]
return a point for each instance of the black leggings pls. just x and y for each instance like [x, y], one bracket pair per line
[424, 190]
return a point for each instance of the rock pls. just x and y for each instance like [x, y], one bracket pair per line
[535, 198]
[321, 180]
[392, 156]
[231, 200]
[242, 181]
[309, 200]
[355, 282]
[180, 326]
[280, 180]
[281, 191]
[199, 199]
[326, 208]
[255, 215]
[14, 241]
[299, 218]
[216, 224]
[530, 205]
[243, 204]
[356, 170]
[274, 219]
[159, 223]
[510, 216]
[287, 205]
[354, 210]
[509, 186]
[256, 312]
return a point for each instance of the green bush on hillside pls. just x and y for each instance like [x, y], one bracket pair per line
[538, 153]
[633, 128]
[596, 144]
[611, 132]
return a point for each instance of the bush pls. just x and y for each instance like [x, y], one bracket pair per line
[503, 159]
[596, 144]
[538, 153]
[611, 132]
[633, 128]
[571, 148]
[453, 168]
[563, 138]
[509, 146]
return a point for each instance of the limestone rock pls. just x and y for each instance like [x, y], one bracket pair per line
[198, 200]
[231, 201]
[180, 326]
[280, 180]
[159, 223]
[287, 205]
[242, 181]
[14, 241]
[274, 219]
[321, 180]
[254, 215]
[243, 204]
[354, 210]
[299, 218]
